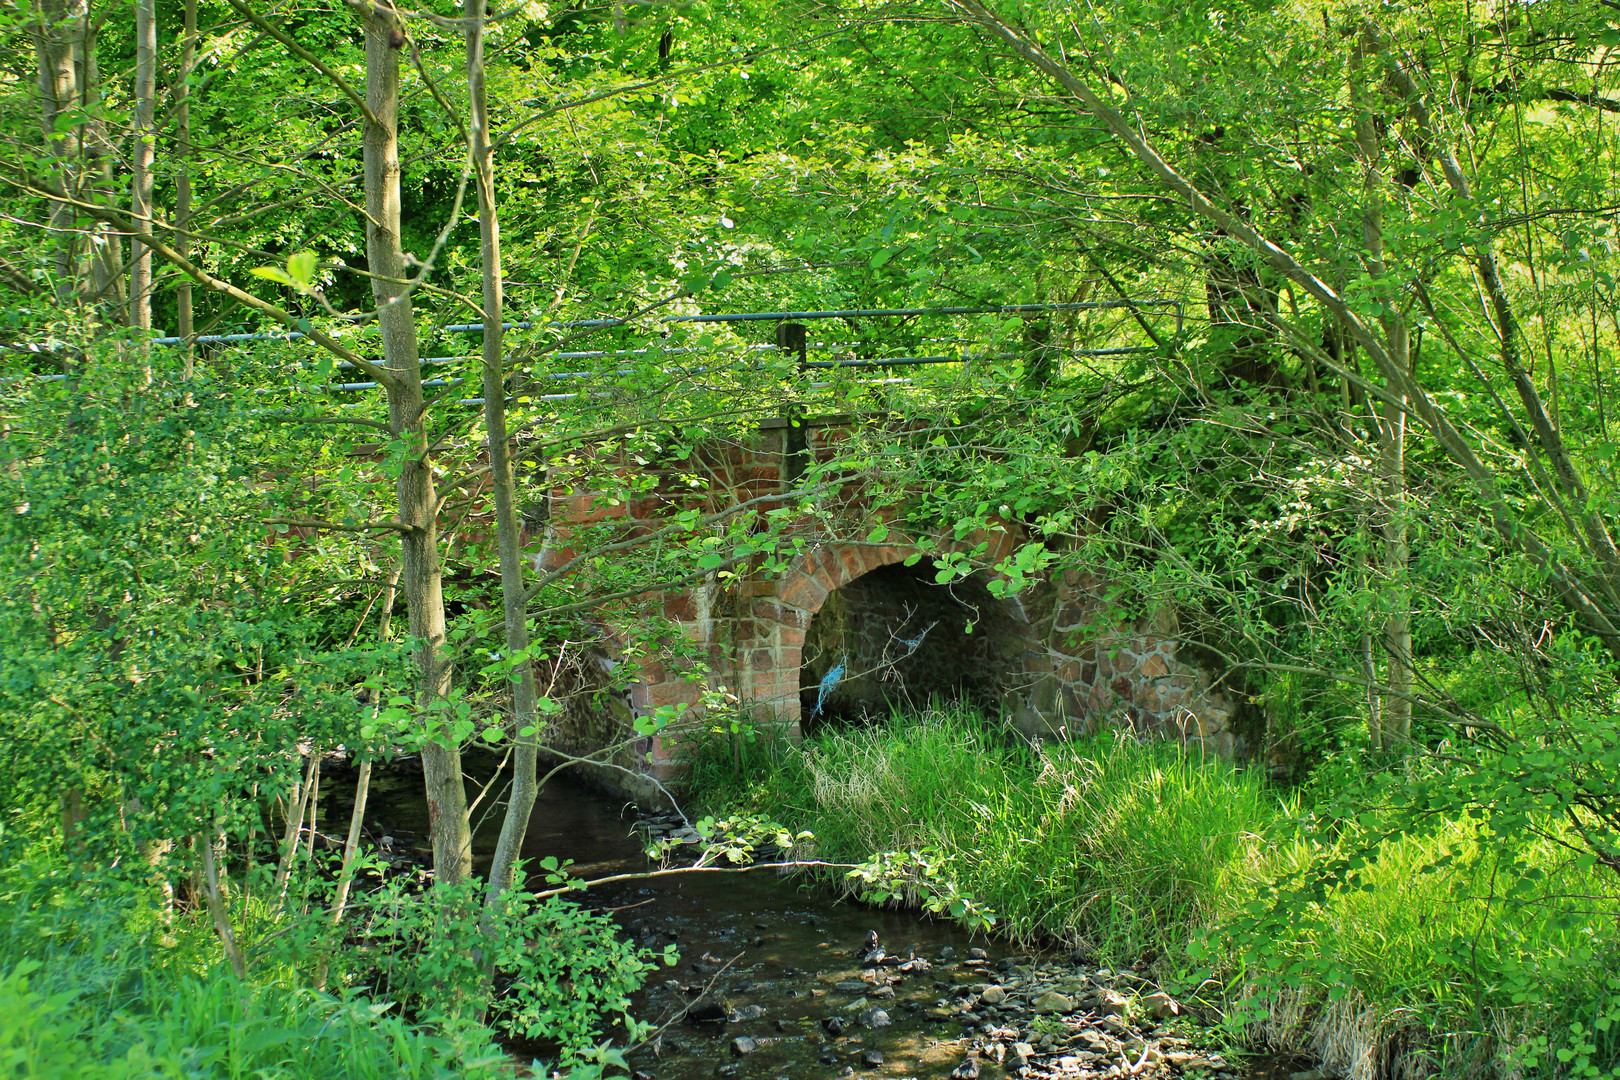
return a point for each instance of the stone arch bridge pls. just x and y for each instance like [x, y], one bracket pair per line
[850, 630]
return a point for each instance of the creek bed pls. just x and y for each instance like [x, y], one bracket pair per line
[776, 966]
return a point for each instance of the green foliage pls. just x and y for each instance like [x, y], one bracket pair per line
[1493, 943]
[163, 658]
[103, 988]
[214, 1027]
[563, 973]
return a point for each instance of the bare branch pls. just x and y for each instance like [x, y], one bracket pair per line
[340, 526]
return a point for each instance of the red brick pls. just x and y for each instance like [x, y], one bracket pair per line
[790, 637]
[889, 554]
[672, 693]
[804, 592]
[680, 607]
[769, 611]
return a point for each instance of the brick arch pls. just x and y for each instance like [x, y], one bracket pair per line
[769, 681]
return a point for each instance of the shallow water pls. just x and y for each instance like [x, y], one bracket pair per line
[752, 938]
[746, 939]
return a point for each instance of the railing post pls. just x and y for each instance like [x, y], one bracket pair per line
[793, 337]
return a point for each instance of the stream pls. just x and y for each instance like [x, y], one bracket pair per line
[776, 966]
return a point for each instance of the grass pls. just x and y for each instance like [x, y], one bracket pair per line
[1136, 853]
[90, 990]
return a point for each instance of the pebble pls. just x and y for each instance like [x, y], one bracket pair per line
[1053, 1003]
[995, 1003]
[1112, 1003]
[1161, 1006]
[875, 1018]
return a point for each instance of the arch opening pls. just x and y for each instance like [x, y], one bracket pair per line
[892, 639]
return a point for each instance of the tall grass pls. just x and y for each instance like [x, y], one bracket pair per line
[1109, 846]
[1136, 853]
[93, 988]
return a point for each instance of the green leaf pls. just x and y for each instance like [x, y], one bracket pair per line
[301, 268]
[272, 273]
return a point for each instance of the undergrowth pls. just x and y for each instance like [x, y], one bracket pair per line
[1146, 856]
[103, 988]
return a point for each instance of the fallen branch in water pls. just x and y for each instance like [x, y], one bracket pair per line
[644, 875]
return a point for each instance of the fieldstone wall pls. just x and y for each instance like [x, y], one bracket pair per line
[1122, 674]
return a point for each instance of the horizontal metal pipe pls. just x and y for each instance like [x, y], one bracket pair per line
[884, 313]
[745, 316]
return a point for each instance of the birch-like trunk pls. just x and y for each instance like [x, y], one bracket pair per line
[143, 153]
[59, 29]
[184, 325]
[524, 758]
[1393, 728]
[421, 576]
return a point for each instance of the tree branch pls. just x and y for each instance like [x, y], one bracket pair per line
[306, 56]
[340, 526]
[127, 225]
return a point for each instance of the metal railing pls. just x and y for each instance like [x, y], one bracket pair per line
[734, 317]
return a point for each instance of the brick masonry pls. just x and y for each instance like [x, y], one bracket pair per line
[1082, 668]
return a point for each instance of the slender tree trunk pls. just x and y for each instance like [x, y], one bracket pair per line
[314, 800]
[220, 916]
[362, 788]
[1397, 719]
[184, 326]
[1392, 728]
[58, 46]
[351, 843]
[524, 786]
[421, 574]
[1566, 478]
[106, 246]
[141, 160]
[297, 804]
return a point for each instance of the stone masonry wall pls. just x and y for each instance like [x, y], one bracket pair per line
[1072, 671]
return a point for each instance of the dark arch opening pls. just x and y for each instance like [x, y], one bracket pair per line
[894, 639]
